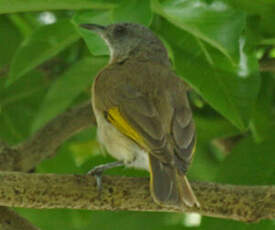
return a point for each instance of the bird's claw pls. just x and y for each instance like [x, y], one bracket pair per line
[98, 171]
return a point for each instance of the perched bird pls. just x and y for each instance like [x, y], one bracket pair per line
[143, 116]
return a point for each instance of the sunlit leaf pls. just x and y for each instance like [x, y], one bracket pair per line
[84, 150]
[214, 23]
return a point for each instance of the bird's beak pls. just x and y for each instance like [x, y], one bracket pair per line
[96, 28]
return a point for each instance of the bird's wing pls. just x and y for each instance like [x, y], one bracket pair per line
[183, 134]
[136, 116]
[146, 117]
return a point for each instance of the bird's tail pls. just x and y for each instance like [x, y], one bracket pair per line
[169, 187]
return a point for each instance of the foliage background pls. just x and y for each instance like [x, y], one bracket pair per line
[47, 64]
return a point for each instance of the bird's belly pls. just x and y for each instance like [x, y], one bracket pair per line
[121, 147]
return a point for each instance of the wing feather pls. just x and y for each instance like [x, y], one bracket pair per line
[183, 132]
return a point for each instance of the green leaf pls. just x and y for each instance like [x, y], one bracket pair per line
[22, 25]
[19, 104]
[8, 32]
[214, 23]
[56, 219]
[217, 223]
[205, 165]
[135, 11]
[67, 87]
[231, 90]
[209, 128]
[262, 120]
[13, 6]
[44, 43]
[263, 11]
[95, 43]
[253, 163]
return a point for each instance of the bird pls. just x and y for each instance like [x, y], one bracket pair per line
[144, 119]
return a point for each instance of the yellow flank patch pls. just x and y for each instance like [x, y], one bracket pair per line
[123, 126]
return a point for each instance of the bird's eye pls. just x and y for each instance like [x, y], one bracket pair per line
[119, 30]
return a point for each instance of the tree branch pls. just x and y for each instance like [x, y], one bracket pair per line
[10, 220]
[267, 65]
[242, 203]
[44, 144]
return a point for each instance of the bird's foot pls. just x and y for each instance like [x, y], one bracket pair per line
[98, 171]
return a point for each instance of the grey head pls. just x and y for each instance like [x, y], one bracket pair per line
[130, 40]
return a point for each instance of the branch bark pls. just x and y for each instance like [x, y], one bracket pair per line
[44, 144]
[267, 65]
[242, 203]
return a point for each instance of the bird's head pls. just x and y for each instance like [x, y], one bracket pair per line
[127, 39]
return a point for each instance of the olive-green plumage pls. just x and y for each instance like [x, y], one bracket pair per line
[143, 113]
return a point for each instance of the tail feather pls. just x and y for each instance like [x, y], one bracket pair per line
[168, 187]
[163, 183]
[188, 196]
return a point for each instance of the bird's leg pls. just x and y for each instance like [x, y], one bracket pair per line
[98, 171]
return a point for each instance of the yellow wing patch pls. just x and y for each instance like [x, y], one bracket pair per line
[115, 117]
